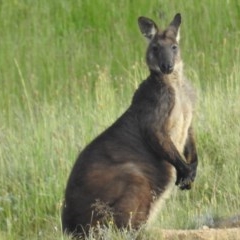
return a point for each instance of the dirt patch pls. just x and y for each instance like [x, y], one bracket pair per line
[202, 234]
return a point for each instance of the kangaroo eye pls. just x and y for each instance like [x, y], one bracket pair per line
[155, 48]
[174, 47]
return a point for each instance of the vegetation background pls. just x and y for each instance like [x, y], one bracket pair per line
[68, 69]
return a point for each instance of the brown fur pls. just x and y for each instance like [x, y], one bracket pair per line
[130, 166]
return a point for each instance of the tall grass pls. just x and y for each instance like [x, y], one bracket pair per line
[68, 69]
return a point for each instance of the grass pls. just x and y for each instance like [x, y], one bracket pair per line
[68, 69]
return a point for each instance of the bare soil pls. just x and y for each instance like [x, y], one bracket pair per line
[202, 234]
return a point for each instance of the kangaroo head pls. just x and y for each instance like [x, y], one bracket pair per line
[162, 50]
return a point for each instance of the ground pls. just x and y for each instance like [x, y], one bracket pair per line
[202, 234]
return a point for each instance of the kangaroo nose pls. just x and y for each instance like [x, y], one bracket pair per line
[167, 68]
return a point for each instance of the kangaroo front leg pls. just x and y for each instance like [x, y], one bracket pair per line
[185, 171]
[164, 148]
[190, 154]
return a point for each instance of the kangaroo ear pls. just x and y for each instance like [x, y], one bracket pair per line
[175, 25]
[176, 21]
[148, 27]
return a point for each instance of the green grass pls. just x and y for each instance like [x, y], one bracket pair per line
[69, 68]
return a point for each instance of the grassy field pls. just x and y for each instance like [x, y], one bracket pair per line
[68, 69]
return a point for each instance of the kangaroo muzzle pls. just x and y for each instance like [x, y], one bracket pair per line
[166, 61]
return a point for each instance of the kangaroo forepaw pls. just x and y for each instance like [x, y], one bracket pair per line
[186, 184]
[186, 178]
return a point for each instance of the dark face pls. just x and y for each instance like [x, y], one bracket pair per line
[162, 53]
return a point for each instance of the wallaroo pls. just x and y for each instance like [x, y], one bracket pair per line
[126, 171]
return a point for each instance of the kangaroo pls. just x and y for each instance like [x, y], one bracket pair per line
[127, 170]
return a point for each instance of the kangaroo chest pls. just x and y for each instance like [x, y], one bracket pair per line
[180, 118]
